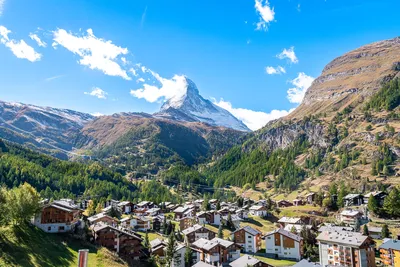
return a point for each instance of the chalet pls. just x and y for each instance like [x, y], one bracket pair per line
[284, 245]
[209, 217]
[181, 212]
[125, 222]
[158, 248]
[156, 223]
[248, 261]
[235, 220]
[346, 249]
[310, 197]
[185, 223]
[140, 223]
[353, 200]
[259, 211]
[390, 253]
[104, 218]
[283, 203]
[289, 220]
[350, 216]
[216, 252]
[378, 195]
[127, 244]
[152, 212]
[58, 217]
[197, 232]
[201, 217]
[298, 202]
[145, 205]
[164, 206]
[242, 214]
[224, 211]
[126, 206]
[249, 238]
[374, 232]
[111, 202]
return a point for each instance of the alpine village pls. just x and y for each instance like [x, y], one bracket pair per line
[318, 187]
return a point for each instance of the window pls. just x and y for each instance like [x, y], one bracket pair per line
[49, 228]
[269, 237]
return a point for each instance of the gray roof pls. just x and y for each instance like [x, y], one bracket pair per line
[289, 220]
[181, 209]
[391, 244]
[245, 260]
[350, 212]
[202, 264]
[207, 245]
[64, 205]
[192, 229]
[249, 230]
[306, 263]
[286, 233]
[98, 216]
[351, 196]
[353, 239]
[156, 242]
[332, 228]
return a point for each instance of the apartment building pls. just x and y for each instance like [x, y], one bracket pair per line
[217, 252]
[390, 253]
[249, 238]
[197, 232]
[283, 244]
[346, 248]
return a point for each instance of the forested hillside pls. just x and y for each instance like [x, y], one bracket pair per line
[54, 178]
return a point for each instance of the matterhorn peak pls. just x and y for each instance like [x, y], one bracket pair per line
[191, 106]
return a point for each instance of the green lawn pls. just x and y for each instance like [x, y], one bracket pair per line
[226, 232]
[264, 226]
[29, 246]
[276, 263]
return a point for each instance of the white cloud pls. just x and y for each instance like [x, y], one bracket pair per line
[96, 53]
[140, 80]
[290, 54]
[277, 70]
[170, 88]
[253, 119]
[267, 14]
[53, 78]
[97, 92]
[301, 83]
[37, 40]
[133, 71]
[19, 48]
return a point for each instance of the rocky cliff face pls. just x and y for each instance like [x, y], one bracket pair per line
[351, 78]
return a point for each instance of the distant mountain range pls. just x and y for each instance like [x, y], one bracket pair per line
[189, 129]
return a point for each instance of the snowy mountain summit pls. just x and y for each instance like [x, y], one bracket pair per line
[192, 107]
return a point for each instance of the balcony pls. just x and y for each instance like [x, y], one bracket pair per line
[211, 258]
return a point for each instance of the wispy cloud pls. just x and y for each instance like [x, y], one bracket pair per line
[278, 70]
[289, 54]
[97, 92]
[96, 53]
[143, 18]
[54, 78]
[266, 13]
[2, 2]
[302, 82]
[19, 48]
[253, 119]
[36, 38]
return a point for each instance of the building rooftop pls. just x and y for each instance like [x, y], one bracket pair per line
[257, 207]
[351, 196]
[350, 212]
[353, 239]
[391, 244]
[249, 230]
[245, 260]
[286, 233]
[289, 220]
[202, 264]
[306, 263]
[207, 245]
[192, 229]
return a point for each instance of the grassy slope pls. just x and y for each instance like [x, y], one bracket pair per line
[29, 246]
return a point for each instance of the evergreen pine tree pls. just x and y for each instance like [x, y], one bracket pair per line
[365, 230]
[373, 204]
[220, 233]
[391, 204]
[188, 257]
[385, 231]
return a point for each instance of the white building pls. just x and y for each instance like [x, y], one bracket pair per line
[249, 238]
[259, 211]
[283, 244]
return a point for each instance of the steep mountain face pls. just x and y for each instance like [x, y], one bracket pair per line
[347, 128]
[144, 144]
[192, 107]
[44, 128]
[351, 78]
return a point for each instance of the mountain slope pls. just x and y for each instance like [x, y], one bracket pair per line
[192, 107]
[43, 128]
[351, 78]
[145, 144]
[347, 128]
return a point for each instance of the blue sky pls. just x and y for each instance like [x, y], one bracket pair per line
[224, 46]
